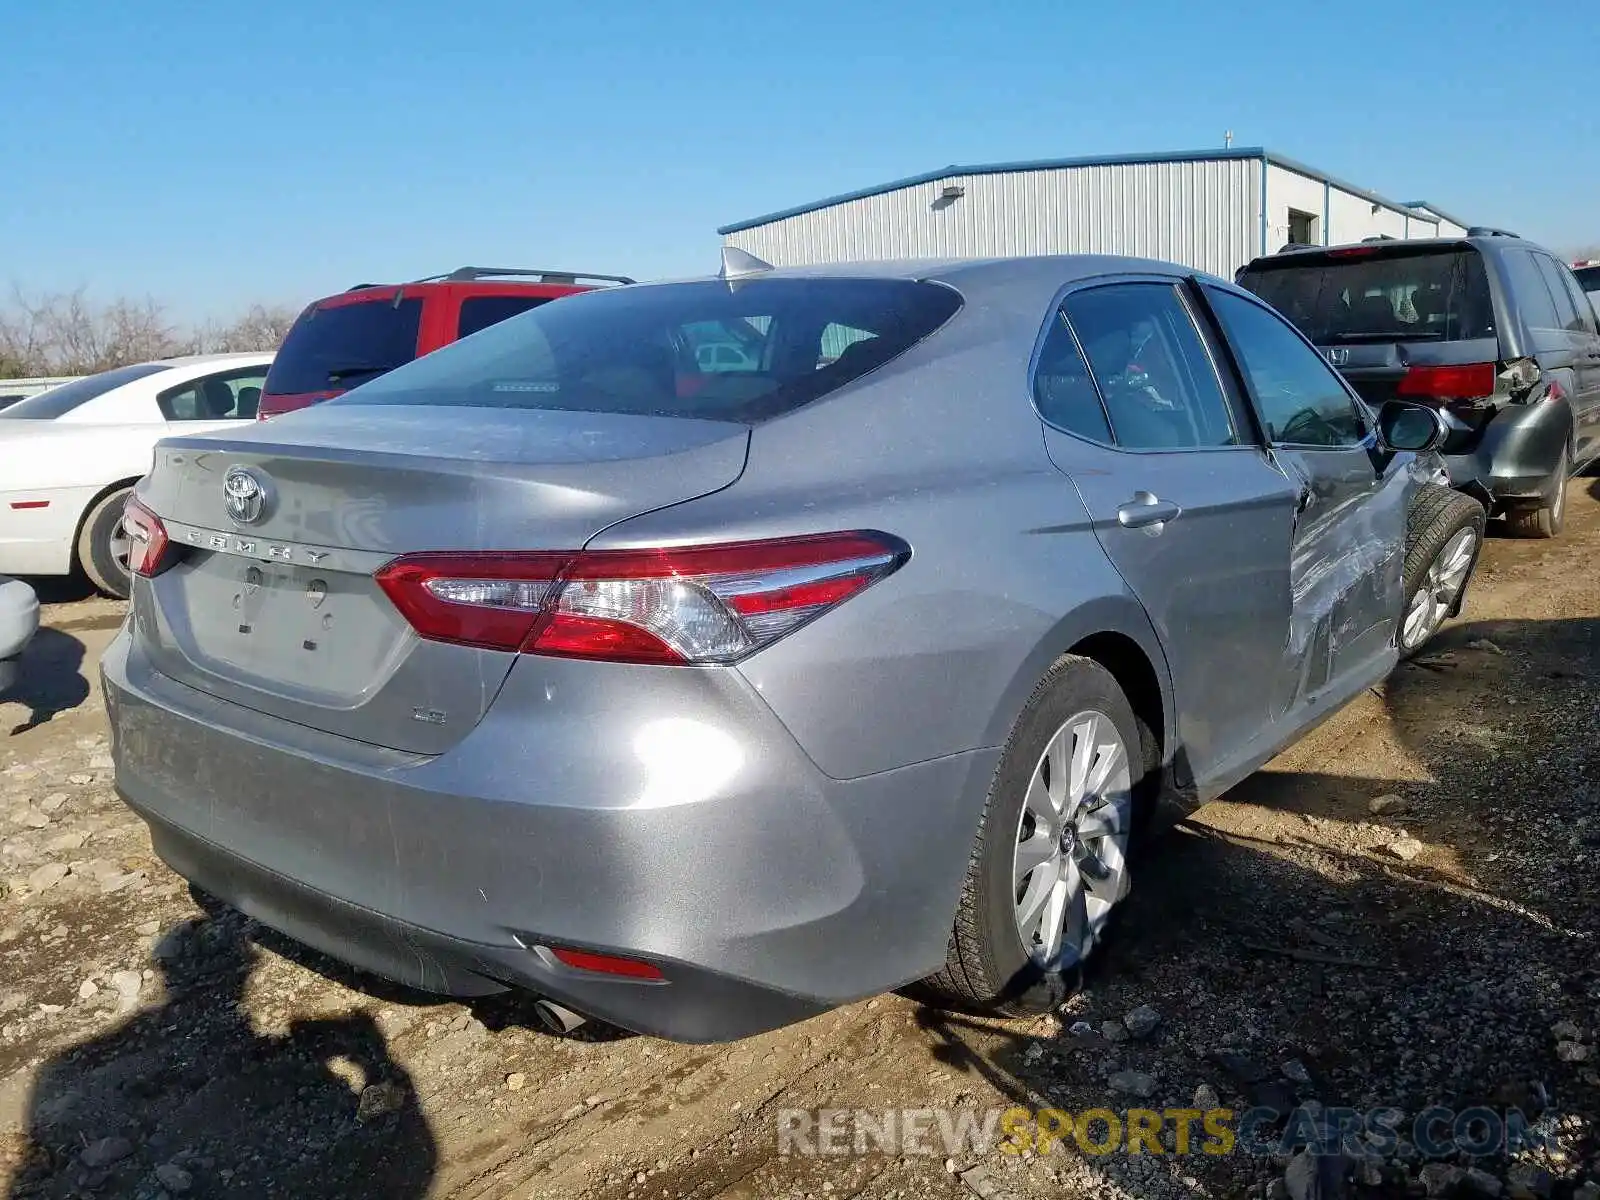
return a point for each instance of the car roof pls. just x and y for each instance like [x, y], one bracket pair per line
[243, 358]
[1483, 242]
[1032, 278]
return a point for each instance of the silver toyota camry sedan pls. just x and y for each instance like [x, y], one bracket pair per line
[700, 692]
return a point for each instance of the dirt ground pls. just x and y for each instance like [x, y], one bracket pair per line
[1295, 944]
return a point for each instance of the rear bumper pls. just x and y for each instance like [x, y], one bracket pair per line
[764, 890]
[1515, 454]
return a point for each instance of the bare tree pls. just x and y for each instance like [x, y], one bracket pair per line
[262, 327]
[66, 333]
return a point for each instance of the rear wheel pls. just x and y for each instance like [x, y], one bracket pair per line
[103, 545]
[1443, 538]
[1051, 861]
[1544, 521]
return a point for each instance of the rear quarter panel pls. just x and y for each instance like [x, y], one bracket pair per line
[1005, 574]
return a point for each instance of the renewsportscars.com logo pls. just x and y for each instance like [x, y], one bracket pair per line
[1373, 1133]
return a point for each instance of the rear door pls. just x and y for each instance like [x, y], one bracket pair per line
[1577, 314]
[1195, 517]
[1349, 534]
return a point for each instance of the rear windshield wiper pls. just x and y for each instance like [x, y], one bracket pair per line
[335, 374]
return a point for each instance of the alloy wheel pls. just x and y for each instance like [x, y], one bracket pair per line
[121, 547]
[1441, 586]
[1070, 863]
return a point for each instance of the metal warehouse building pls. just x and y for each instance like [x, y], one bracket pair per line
[1213, 210]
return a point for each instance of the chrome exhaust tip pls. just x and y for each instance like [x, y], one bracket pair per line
[558, 1018]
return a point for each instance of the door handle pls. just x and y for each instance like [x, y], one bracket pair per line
[1145, 511]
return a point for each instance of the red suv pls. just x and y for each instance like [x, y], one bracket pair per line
[344, 340]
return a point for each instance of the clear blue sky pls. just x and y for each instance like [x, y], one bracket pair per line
[212, 154]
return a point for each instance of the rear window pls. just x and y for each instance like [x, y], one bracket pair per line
[342, 345]
[1433, 296]
[480, 312]
[1589, 278]
[743, 352]
[59, 401]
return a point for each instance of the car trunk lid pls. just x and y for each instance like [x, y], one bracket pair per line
[276, 608]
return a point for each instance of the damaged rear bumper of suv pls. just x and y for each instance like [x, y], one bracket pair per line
[1513, 456]
[703, 842]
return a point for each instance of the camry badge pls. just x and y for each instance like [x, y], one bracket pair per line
[244, 495]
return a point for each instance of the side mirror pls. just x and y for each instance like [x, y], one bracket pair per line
[1414, 427]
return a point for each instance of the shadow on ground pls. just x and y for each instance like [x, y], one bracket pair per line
[60, 589]
[52, 679]
[259, 1115]
[1434, 981]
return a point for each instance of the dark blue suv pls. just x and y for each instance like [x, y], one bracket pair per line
[1489, 328]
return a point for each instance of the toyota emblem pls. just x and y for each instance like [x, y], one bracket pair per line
[245, 495]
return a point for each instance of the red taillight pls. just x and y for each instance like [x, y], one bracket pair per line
[1448, 383]
[606, 964]
[147, 539]
[489, 600]
[694, 604]
[1352, 252]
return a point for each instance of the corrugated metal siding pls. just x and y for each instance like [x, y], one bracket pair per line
[1203, 214]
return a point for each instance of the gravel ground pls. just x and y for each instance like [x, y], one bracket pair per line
[1398, 912]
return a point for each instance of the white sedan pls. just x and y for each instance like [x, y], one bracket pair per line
[69, 456]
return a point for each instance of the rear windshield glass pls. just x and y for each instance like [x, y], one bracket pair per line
[745, 352]
[1588, 278]
[342, 345]
[59, 401]
[1440, 296]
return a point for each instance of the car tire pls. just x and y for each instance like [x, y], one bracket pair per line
[98, 552]
[1444, 536]
[989, 967]
[1544, 520]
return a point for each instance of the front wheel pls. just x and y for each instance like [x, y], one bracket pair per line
[103, 545]
[1051, 861]
[1443, 537]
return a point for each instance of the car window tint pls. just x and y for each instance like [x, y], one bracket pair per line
[1529, 292]
[643, 350]
[1566, 312]
[836, 339]
[726, 346]
[1589, 280]
[1155, 377]
[1302, 401]
[343, 343]
[1355, 295]
[480, 312]
[1577, 311]
[230, 396]
[1063, 392]
[58, 401]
